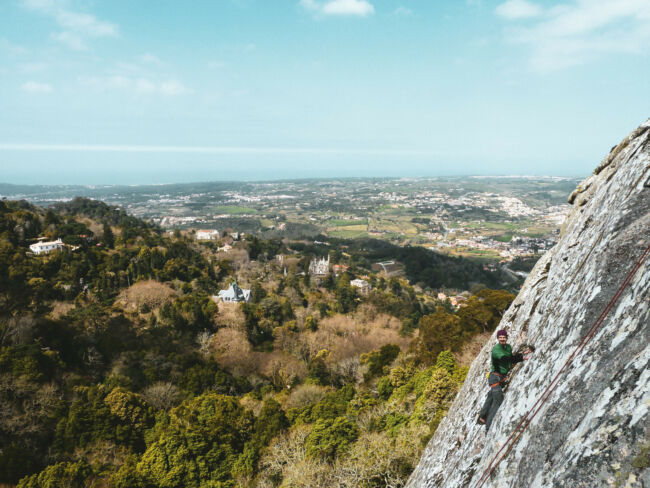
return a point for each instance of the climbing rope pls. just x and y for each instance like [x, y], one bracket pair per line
[530, 415]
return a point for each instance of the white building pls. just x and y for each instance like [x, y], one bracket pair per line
[224, 248]
[363, 285]
[207, 235]
[319, 267]
[45, 247]
[235, 294]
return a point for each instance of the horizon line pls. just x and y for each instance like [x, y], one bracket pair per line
[208, 149]
[301, 180]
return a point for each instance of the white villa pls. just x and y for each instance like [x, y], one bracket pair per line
[45, 247]
[207, 235]
[319, 267]
[363, 285]
[224, 248]
[234, 294]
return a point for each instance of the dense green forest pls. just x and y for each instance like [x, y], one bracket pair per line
[119, 369]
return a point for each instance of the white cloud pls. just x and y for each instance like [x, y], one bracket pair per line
[70, 39]
[144, 86]
[85, 24]
[518, 9]
[172, 87]
[33, 67]
[11, 48]
[309, 5]
[359, 8]
[77, 26]
[127, 68]
[44, 5]
[215, 64]
[36, 87]
[578, 32]
[402, 11]
[348, 7]
[138, 86]
[151, 59]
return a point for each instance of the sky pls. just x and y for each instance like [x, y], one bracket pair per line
[123, 92]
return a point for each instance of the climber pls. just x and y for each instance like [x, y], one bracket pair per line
[502, 361]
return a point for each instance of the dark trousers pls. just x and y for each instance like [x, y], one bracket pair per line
[493, 400]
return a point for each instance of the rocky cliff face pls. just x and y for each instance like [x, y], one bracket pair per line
[594, 429]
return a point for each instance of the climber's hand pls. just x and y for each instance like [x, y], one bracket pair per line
[528, 352]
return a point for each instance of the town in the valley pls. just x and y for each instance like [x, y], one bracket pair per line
[493, 219]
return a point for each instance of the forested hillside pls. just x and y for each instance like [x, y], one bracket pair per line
[118, 368]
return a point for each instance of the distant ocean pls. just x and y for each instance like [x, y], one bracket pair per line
[117, 168]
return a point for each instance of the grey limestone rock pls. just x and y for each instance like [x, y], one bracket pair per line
[595, 426]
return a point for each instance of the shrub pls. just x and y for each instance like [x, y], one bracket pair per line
[96, 414]
[70, 475]
[334, 404]
[384, 388]
[446, 361]
[200, 445]
[305, 395]
[377, 360]
[331, 437]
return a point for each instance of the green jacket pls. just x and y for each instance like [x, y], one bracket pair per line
[503, 359]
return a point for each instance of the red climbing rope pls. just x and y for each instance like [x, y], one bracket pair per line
[530, 415]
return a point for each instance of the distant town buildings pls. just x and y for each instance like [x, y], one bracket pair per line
[516, 247]
[454, 218]
[207, 235]
[46, 247]
[319, 267]
[234, 294]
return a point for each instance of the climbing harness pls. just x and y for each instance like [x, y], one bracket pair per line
[504, 379]
[530, 415]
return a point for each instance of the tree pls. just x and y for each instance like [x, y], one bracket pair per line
[344, 293]
[438, 331]
[108, 239]
[270, 423]
[377, 360]
[119, 416]
[257, 292]
[72, 475]
[331, 438]
[200, 446]
[446, 361]
[311, 323]
[162, 395]
[483, 312]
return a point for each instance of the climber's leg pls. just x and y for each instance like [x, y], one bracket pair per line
[496, 398]
[482, 417]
